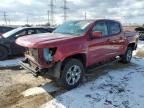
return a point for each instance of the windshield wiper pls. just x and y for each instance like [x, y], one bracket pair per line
[65, 33]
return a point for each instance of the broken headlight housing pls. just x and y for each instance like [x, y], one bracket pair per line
[33, 52]
[48, 54]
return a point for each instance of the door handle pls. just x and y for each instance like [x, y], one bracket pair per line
[111, 41]
[121, 37]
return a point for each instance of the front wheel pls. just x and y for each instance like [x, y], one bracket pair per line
[126, 58]
[72, 73]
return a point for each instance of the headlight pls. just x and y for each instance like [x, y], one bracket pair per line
[48, 54]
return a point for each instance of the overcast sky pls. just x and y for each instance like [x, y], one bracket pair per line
[18, 11]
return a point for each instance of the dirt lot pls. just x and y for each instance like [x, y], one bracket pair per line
[13, 82]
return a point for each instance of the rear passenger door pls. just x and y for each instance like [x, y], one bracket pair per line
[116, 39]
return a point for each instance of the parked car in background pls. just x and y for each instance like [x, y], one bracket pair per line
[50, 29]
[4, 29]
[141, 33]
[7, 40]
[66, 54]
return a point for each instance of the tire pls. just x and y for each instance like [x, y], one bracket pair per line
[72, 73]
[126, 58]
[3, 53]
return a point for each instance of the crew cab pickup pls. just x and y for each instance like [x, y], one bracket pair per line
[66, 54]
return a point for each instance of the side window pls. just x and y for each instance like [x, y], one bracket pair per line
[101, 27]
[21, 33]
[31, 31]
[1, 30]
[114, 28]
[41, 31]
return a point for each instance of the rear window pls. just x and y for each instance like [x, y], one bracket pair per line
[114, 28]
[41, 31]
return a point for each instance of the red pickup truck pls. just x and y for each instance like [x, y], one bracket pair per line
[74, 46]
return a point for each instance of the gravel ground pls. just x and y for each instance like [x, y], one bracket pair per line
[13, 82]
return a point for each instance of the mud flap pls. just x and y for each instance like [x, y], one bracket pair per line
[55, 71]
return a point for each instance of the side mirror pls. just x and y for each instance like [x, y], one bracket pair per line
[97, 34]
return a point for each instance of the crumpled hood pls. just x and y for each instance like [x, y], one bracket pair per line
[39, 40]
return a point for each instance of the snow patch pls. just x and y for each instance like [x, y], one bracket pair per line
[50, 87]
[139, 47]
[10, 63]
[119, 88]
[140, 44]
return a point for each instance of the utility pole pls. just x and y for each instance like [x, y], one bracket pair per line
[48, 16]
[5, 17]
[27, 20]
[85, 15]
[65, 10]
[9, 21]
[52, 11]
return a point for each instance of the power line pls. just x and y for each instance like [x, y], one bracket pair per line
[85, 15]
[65, 8]
[5, 17]
[27, 20]
[52, 11]
[48, 13]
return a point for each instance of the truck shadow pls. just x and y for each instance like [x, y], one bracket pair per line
[106, 83]
[54, 90]
[95, 73]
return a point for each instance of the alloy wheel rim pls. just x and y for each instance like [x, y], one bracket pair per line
[73, 75]
[129, 55]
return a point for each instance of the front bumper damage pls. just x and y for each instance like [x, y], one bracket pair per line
[53, 72]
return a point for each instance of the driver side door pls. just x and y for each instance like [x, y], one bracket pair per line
[98, 48]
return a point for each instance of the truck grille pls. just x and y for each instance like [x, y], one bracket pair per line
[32, 52]
[32, 65]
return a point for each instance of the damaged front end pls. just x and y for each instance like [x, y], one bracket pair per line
[48, 54]
[41, 62]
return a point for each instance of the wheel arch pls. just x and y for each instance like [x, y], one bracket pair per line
[132, 45]
[81, 57]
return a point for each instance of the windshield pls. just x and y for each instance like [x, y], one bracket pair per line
[73, 27]
[10, 33]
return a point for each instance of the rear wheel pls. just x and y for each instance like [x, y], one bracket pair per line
[72, 73]
[126, 58]
[3, 53]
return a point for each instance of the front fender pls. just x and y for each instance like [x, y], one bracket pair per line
[63, 53]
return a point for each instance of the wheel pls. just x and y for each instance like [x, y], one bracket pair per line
[126, 58]
[72, 73]
[3, 53]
